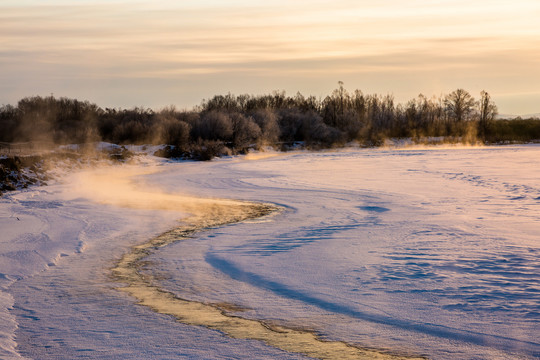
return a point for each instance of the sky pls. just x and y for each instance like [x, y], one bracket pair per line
[158, 53]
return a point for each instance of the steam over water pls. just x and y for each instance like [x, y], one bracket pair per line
[421, 252]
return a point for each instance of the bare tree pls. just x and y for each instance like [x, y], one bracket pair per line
[459, 105]
[487, 113]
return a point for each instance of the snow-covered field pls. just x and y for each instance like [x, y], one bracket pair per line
[431, 251]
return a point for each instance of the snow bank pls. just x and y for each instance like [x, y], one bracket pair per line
[417, 250]
[56, 248]
[42, 226]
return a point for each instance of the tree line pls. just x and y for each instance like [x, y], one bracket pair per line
[228, 123]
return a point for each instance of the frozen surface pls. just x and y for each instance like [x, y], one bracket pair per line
[430, 251]
[57, 300]
[424, 251]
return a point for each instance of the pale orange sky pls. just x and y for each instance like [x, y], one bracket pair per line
[157, 53]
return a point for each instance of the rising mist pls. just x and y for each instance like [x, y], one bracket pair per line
[229, 124]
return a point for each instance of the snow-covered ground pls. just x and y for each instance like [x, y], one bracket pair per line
[429, 251]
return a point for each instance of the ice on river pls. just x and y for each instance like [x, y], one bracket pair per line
[430, 251]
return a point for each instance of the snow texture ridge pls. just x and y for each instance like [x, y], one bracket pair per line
[422, 251]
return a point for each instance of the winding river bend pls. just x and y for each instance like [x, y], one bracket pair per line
[429, 251]
[215, 316]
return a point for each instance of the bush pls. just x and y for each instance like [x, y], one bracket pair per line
[517, 130]
[172, 131]
[246, 132]
[213, 125]
[269, 125]
[208, 149]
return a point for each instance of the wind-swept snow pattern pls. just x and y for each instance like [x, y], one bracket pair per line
[425, 251]
[61, 301]
[214, 316]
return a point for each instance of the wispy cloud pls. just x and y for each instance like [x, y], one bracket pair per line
[300, 41]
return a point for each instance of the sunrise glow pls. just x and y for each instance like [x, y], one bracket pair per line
[127, 53]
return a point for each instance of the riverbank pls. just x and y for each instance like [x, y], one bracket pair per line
[36, 168]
